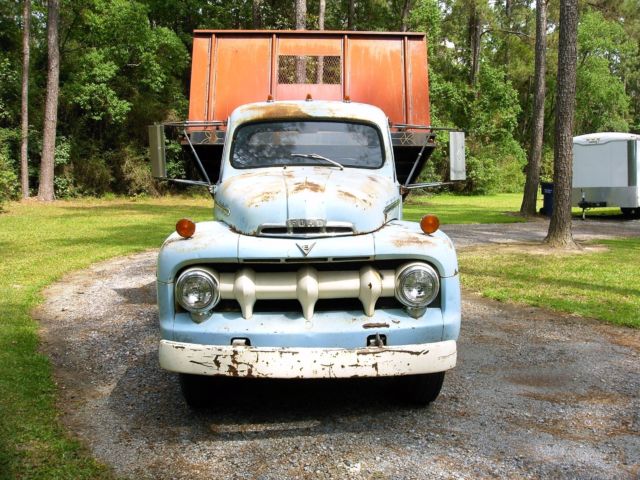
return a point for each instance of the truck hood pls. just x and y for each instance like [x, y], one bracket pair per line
[307, 201]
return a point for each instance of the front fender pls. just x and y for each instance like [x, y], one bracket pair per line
[212, 242]
[400, 239]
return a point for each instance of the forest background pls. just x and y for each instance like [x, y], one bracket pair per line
[124, 64]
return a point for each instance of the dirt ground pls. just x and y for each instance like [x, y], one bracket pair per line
[535, 394]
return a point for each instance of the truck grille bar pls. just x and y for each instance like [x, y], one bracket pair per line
[319, 229]
[307, 285]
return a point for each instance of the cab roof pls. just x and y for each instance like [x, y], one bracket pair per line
[304, 110]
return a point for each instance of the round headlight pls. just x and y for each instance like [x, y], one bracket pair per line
[197, 290]
[417, 285]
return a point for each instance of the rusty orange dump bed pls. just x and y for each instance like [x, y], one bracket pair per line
[233, 67]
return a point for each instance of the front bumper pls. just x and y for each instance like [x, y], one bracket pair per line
[276, 362]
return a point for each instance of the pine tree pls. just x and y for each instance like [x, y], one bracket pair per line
[530, 196]
[560, 226]
[45, 190]
[24, 147]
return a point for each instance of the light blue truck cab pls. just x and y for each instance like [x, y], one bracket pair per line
[307, 269]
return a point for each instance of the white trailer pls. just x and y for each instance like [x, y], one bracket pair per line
[606, 173]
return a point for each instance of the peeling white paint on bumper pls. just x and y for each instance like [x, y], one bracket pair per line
[273, 362]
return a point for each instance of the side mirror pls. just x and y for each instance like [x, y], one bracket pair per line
[457, 163]
[157, 151]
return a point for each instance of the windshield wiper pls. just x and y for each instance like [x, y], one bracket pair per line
[315, 156]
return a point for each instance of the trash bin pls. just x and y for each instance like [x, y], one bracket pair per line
[547, 198]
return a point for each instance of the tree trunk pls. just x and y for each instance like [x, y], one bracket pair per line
[508, 10]
[322, 6]
[530, 196]
[301, 14]
[406, 8]
[255, 11]
[351, 17]
[560, 227]
[24, 147]
[475, 37]
[45, 190]
[321, 12]
[301, 24]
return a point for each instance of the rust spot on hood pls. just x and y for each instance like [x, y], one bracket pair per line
[257, 187]
[354, 198]
[262, 197]
[307, 186]
[277, 111]
[411, 240]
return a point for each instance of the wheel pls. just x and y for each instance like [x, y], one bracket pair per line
[422, 389]
[196, 389]
[631, 212]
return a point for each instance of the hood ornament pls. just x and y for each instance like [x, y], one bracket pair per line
[305, 248]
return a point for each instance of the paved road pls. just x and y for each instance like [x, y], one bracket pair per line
[535, 395]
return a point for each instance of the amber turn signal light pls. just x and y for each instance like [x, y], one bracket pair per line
[429, 224]
[185, 228]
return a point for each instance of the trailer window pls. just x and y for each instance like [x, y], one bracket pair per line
[275, 144]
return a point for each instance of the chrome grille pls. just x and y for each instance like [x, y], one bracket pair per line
[314, 229]
[309, 285]
[306, 285]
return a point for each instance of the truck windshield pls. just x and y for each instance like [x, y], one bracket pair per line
[306, 143]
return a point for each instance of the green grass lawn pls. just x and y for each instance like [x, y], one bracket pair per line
[39, 243]
[602, 283]
[500, 208]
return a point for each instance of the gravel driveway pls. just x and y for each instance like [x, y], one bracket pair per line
[535, 394]
[536, 230]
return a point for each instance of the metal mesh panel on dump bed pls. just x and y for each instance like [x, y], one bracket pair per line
[309, 69]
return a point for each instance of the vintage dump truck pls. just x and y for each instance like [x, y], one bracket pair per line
[308, 143]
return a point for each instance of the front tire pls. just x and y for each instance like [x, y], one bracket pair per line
[421, 390]
[196, 390]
